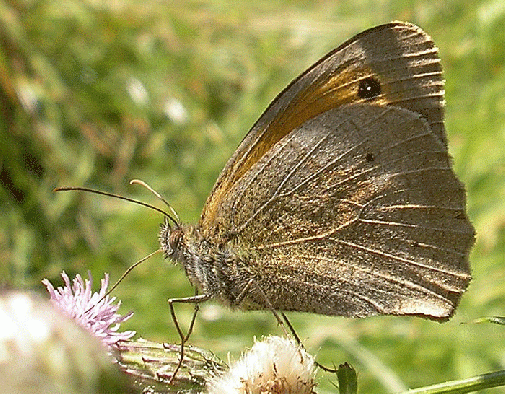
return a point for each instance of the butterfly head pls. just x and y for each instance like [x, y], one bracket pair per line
[170, 239]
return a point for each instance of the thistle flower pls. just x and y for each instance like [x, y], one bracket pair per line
[94, 311]
[43, 354]
[274, 365]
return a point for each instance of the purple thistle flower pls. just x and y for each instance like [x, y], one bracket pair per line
[92, 311]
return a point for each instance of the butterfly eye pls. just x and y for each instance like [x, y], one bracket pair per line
[369, 88]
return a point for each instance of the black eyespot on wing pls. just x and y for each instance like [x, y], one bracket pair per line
[369, 157]
[369, 88]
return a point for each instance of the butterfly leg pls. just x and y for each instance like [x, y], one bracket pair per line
[269, 306]
[282, 322]
[299, 342]
[196, 300]
[246, 290]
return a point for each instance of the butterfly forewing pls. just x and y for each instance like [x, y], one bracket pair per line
[399, 56]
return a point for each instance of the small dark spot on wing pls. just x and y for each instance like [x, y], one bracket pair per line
[369, 88]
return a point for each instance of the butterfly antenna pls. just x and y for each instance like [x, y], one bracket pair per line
[130, 269]
[159, 196]
[167, 215]
[86, 189]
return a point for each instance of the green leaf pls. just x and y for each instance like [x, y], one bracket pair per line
[347, 379]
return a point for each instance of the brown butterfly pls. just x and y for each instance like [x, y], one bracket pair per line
[341, 199]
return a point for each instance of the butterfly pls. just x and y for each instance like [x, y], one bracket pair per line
[341, 199]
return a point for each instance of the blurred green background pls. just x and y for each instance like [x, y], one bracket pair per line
[96, 93]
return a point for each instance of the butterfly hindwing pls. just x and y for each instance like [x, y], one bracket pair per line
[350, 205]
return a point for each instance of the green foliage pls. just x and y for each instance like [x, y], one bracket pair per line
[347, 380]
[98, 93]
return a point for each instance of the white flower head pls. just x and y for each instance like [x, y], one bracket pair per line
[274, 365]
